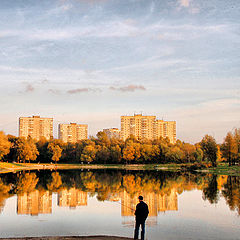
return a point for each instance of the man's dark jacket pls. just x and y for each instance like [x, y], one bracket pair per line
[141, 212]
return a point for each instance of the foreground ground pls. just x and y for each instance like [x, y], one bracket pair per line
[70, 238]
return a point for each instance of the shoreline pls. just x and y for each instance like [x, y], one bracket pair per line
[221, 169]
[97, 237]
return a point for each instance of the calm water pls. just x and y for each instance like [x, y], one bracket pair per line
[182, 206]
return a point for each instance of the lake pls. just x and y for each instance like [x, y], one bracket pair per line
[102, 202]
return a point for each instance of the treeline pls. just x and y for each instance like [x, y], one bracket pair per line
[102, 150]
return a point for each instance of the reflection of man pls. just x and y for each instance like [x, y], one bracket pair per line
[141, 214]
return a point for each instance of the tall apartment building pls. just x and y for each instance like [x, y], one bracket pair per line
[72, 132]
[112, 132]
[147, 127]
[165, 129]
[36, 127]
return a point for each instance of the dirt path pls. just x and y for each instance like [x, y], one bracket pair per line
[71, 238]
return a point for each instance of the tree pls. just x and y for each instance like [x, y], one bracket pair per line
[24, 149]
[131, 151]
[198, 154]
[174, 154]
[89, 153]
[189, 151]
[55, 151]
[115, 154]
[209, 147]
[237, 139]
[4, 145]
[230, 149]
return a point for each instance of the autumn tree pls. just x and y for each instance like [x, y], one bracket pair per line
[24, 149]
[189, 152]
[209, 147]
[174, 154]
[115, 154]
[89, 153]
[230, 149]
[4, 145]
[55, 150]
[131, 151]
[236, 136]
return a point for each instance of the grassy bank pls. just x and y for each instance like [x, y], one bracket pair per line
[221, 169]
[224, 169]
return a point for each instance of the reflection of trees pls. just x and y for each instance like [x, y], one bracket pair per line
[26, 183]
[110, 184]
[211, 191]
[55, 183]
[4, 194]
[231, 192]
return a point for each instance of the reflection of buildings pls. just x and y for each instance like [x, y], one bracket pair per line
[72, 198]
[72, 132]
[36, 127]
[156, 202]
[147, 127]
[34, 203]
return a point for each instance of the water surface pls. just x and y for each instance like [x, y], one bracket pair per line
[102, 202]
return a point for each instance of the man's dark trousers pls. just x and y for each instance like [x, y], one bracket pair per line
[138, 223]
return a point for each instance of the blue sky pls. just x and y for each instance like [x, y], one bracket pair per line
[91, 61]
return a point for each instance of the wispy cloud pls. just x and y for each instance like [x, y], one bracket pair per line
[129, 88]
[82, 90]
[126, 28]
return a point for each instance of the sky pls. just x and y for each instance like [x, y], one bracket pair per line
[91, 61]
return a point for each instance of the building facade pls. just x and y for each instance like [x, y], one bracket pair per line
[147, 127]
[36, 127]
[112, 132]
[72, 132]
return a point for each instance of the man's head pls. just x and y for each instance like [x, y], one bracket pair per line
[140, 198]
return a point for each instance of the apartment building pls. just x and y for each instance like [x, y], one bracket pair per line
[72, 132]
[147, 127]
[112, 132]
[36, 127]
[165, 129]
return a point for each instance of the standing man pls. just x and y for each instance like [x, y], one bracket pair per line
[141, 214]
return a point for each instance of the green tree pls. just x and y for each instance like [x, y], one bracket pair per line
[198, 154]
[4, 145]
[209, 147]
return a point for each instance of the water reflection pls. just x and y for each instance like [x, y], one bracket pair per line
[173, 199]
[160, 189]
